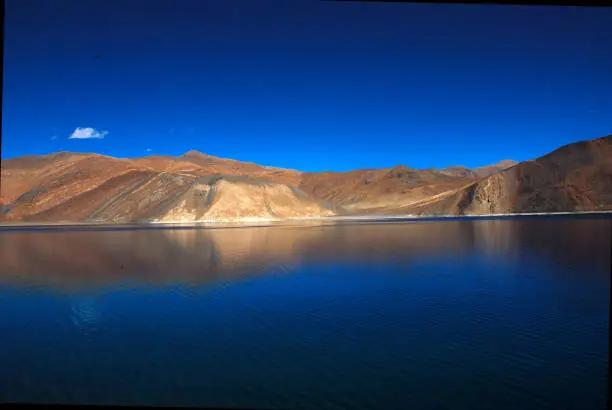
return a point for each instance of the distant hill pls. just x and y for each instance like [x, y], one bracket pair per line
[77, 187]
[480, 172]
[489, 170]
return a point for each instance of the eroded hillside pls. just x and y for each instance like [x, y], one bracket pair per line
[68, 187]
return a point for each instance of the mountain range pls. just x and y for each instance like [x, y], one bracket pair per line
[78, 187]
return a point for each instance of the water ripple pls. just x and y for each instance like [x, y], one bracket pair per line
[426, 316]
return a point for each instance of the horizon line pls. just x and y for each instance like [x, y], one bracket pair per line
[293, 169]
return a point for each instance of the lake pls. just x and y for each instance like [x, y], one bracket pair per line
[454, 314]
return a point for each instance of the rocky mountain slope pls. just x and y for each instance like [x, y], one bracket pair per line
[575, 177]
[71, 187]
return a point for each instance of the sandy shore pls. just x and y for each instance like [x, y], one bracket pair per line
[258, 221]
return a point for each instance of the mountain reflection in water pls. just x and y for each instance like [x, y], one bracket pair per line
[202, 256]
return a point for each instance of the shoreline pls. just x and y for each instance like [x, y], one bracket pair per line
[253, 222]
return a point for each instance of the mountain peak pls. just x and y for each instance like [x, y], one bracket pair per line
[458, 171]
[194, 153]
[507, 162]
[402, 167]
[456, 168]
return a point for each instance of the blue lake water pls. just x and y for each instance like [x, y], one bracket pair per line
[455, 314]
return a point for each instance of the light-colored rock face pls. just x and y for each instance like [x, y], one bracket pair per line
[237, 200]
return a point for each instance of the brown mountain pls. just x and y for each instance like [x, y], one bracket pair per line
[74, 187]
[379, 189]
[89, 187]
[575, 177]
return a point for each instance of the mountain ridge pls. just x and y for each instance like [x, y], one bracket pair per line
[198, 153]
[85, 187]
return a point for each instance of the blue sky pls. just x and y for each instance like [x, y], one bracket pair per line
[305, 84]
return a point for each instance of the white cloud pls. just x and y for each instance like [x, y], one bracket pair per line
[87, 133]
[54, 137]
[149, 149]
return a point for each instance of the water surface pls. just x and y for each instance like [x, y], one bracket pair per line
[458, 314]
